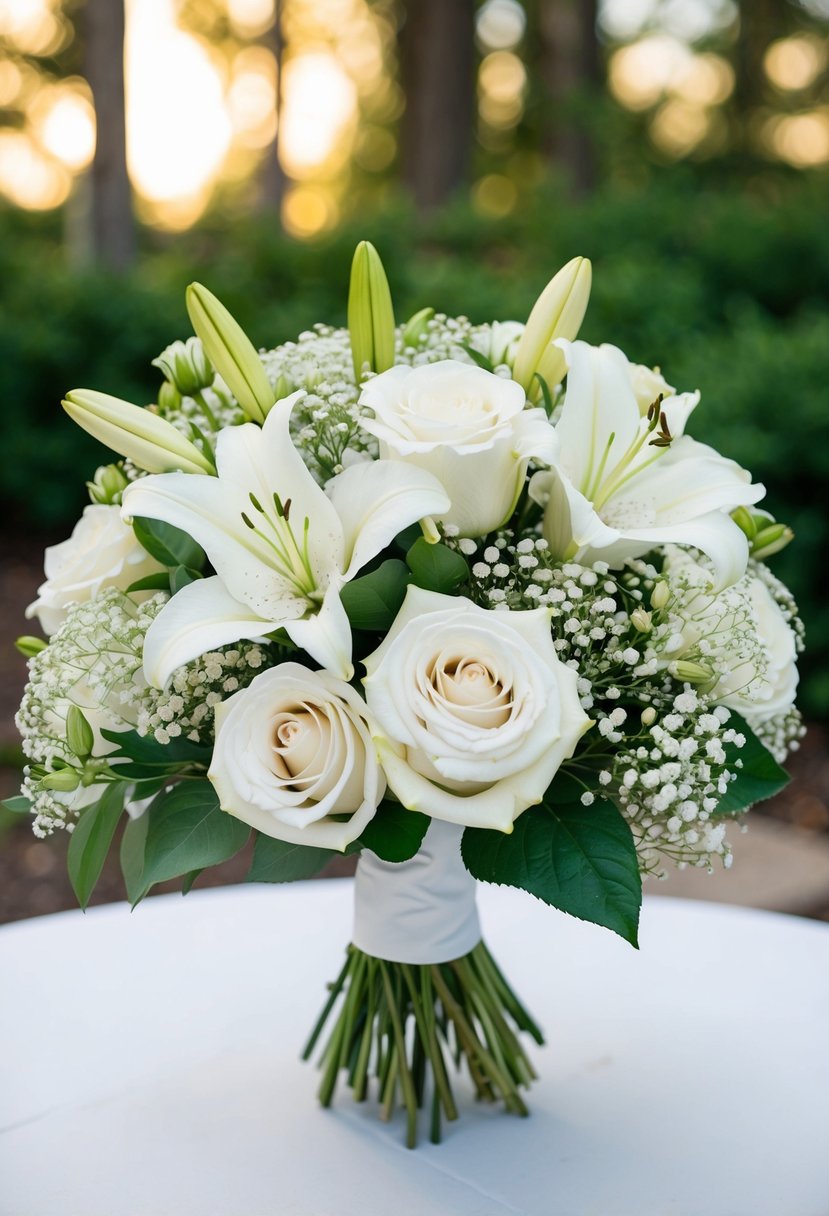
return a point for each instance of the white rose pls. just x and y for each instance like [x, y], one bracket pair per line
[293, 750]
[774, 691]
[467, 427]
[476, 711]
[647, 384]
[101, 552]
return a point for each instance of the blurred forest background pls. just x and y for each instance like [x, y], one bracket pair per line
[682, 144]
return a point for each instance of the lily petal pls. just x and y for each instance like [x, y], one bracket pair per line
[690, 479]
[200, 617]
[600, 417]
[326, 635]
[376, 501]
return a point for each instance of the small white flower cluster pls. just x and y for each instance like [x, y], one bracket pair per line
[668, 779]
[94, 661]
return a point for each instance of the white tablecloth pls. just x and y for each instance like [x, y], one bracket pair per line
[148, 1067]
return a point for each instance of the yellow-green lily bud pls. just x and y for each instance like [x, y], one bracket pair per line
[417, 326]
[641, 619]
[660, 595]
[64, 780]
[648, 716]
[745, 522]
[150, 442]
[283, 387]
[186, 366]
[231, 352]
[370, 313]
[79, 734]
[557, 313]
[691, 673]
[169, 398]
[107, 486]
[770, 540]
[30, 646]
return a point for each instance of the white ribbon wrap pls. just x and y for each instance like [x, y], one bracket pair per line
[417, 911]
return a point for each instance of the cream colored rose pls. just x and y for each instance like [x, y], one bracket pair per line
[476, 712]
[101, 552]
[773, 692]
[467, 427]
[293, 750]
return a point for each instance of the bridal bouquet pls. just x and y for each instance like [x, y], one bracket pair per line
[464, 600]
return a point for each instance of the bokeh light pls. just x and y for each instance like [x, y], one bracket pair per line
[318, 118]
[796, 62]
[63, 121]
[28, 178]
[800, 139]
[308, 210]
[500, 24]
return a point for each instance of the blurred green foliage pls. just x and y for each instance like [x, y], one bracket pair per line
[726, 292]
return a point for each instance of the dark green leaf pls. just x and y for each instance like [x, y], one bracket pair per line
[167, 544]
[580, 859]
[149, 757]
[182, 576]
[395, 834]
[546, 395]
[760, 776]
[436, 568]
[189, 879]
[91, 840]
[278, 861]
[477, 357]
[132, 857]
[373, 601]
[18, 805]
[405, 539]
[189, 831]
[152, 582]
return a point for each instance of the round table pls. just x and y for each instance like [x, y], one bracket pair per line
[149, 1067]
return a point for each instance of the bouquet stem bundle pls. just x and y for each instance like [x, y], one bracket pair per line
[405, 1026]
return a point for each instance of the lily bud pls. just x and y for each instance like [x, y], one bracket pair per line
[231, 352]
[148, 441]
[648, 716]
[558, 313]
[107, 486]
[79, 734]
[63, 780]
[186, 366]
[691, 673]
[641, 619]
[30, 646]
[660, 595]
[416, 327]
[370, 313]
[283, 387]
[745, 521]
[770, 540]
[169, 398]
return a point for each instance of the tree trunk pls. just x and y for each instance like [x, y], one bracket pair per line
[272, 178]
[571, 69]
[437, 60]
[111, 219]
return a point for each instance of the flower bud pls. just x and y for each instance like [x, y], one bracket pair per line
[107, 486]
[62, 780]
[691, 673]
[283, 387]
[660, 595]
[186, 366]
[648, 716]
[79, 734]
[770, 540]
[641, 619]
[558, 313]
[745, 522]
[30, 646]
[231, 352]
[169, 398]
[150, 442]
[417, 326]
[370, 313]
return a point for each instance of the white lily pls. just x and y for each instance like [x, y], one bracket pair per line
[282, 547]
[623, 483]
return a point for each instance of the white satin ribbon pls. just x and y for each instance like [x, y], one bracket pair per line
[417, 911]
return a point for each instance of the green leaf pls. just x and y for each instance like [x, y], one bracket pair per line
[18, 805]
[90, 842]
[189, 831]
[436, 568]
[182, 576]
[141, 757]
[151, 582]
[580, 859]
[760, 776]
[189, 879]
[373, 601]
[132, 857]
[546, 395]
[167, 544]
[395, 834]
[405, 539]
[477, 357]
[278, 861]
